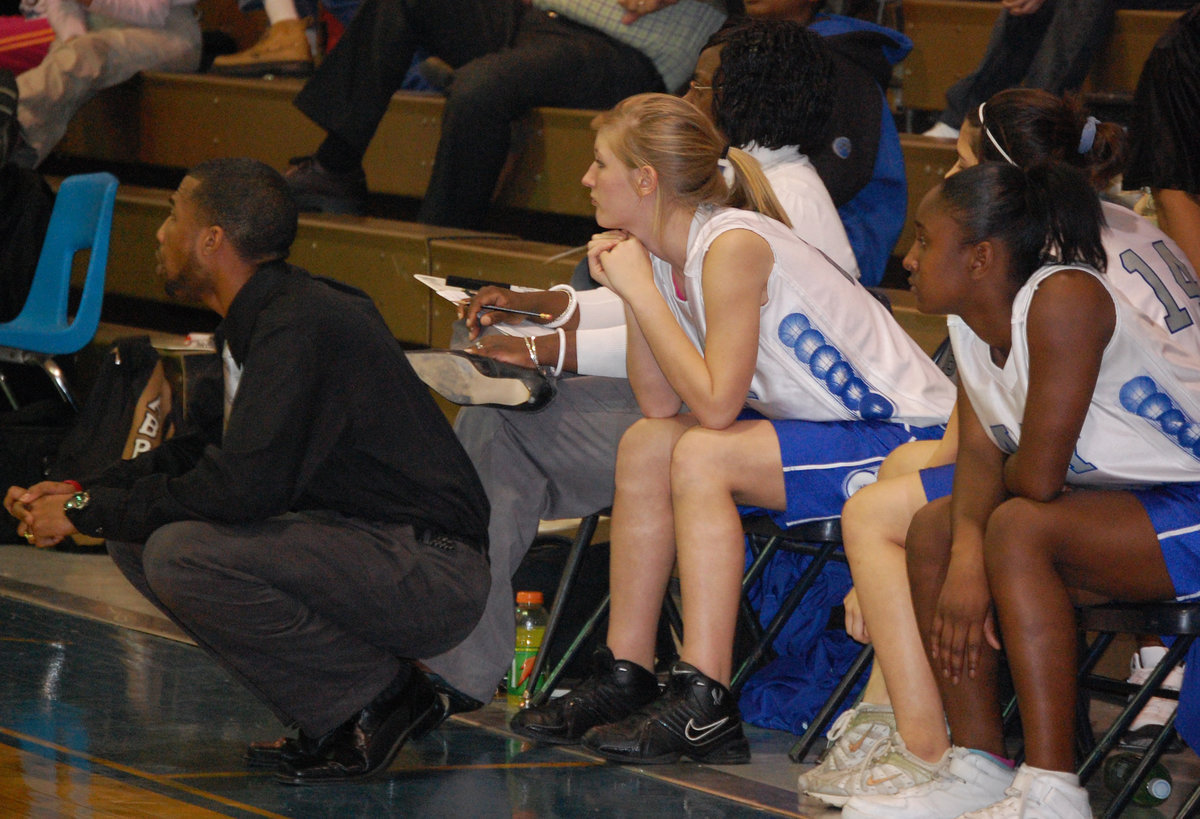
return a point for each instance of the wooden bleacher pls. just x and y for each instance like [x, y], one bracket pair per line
[950, 37]
[379, 256]
[177, 120]
[174, 121]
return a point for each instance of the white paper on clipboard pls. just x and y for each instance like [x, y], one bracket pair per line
[458, 295]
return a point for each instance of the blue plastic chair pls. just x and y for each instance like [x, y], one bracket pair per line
[81, 220]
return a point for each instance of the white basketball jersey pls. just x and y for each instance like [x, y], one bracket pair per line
[828, 350]
[1153, 274]
[1142, 425]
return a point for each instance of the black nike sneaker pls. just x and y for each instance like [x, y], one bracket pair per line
[615, 690]
[697, 717]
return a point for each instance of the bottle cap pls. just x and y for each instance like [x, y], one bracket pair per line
[1159, 788]
[533, 598]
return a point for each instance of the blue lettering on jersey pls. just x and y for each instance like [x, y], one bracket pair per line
[1005, 440]
[826, 364]
[1142, 397]
[1177, 316]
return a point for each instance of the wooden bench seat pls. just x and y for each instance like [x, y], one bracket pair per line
[950, 37]
[178, 120]
[379, 256]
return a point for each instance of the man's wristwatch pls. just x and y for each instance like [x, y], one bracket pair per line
[76, 502]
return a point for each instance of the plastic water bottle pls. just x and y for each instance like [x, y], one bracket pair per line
[531, 626]
[1156, 787]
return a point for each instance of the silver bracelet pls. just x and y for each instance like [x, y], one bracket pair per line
[562, 350]
[572, 304]
[531, 346]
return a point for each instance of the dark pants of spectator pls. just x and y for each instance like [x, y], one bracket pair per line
[1051, 49]
[315, 613]
[508, 59]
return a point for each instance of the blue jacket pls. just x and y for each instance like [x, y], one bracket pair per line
[862, 164]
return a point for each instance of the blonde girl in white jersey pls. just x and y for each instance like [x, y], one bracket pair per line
[725, 308]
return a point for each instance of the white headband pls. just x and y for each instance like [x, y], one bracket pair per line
[992, 139]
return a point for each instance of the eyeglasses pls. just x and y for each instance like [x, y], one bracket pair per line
[698, 87]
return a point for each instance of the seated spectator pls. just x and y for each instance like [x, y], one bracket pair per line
[763, 371]
[1163, 135]
[25, 38]
[99, 43]
[508, 57]
[878, 756]
[291, 40]
[777, 89]
[1047, 44]
[321, 525]
[25, 206]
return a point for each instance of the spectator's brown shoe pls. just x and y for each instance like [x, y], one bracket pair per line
[283, 50]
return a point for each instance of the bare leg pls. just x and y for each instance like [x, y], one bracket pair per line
[874, 523]
[972, 705]
[712, 471]
[1040, 557]
[643, 536]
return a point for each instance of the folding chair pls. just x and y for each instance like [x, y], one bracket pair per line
[583, 537]
[81, 220]
[1181, 620]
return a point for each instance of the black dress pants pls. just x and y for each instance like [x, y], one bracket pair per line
[315, 613]
[508, 58]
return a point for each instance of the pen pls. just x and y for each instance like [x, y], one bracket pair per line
[499, 309]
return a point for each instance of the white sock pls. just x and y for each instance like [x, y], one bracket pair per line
[278, 10]
[1066, 776]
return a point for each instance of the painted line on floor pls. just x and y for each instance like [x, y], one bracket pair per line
[131, 773]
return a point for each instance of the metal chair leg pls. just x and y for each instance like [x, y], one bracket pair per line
[60, 381]
[818, 724]
[566, 581]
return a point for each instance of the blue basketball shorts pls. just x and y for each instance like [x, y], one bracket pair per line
[825, 462]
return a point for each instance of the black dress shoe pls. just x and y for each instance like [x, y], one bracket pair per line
[476, 380]
[317, 188]
[293, 750]
[450, 699]
[407, 709]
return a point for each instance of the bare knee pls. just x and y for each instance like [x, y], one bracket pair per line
[645, 449]
[696, 463]
[1015, 538]
[860, 519]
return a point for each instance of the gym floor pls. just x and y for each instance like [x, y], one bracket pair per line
[107, 710]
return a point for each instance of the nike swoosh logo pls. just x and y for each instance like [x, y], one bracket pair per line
[858, 743]
[699, 733]
[872, 781]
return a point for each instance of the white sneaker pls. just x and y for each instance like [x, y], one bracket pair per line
[851, 739]
[1038, 795]
[1157, 710]
[969, 781]
[942, 131]
[889, 768]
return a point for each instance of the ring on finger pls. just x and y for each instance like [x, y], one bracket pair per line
[478, 345]
[29, 537]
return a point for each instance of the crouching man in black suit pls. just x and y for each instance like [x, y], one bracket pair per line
[321, 526]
